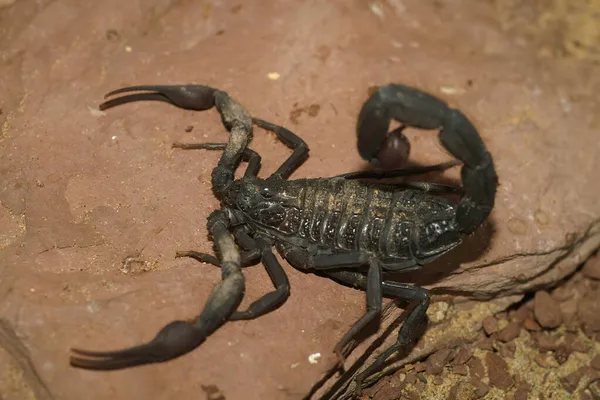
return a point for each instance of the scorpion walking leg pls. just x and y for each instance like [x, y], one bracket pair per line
[272, 300]
[250, 156]
[181, 337]
[250, 255]
[291, 140]
[374, 300]
[414, 319]
[398, 172]
[255, 251]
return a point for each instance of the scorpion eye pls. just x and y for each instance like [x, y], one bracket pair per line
[266, 193]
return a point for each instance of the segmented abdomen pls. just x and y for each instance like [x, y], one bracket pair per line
[349, 215]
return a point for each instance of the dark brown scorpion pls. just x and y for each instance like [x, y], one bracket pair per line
[344, 227]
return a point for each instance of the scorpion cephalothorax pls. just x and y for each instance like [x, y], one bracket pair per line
[345, 227]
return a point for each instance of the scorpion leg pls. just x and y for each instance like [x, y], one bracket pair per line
[250, 156]
[407, 332]
[374, 300]
[290, 139]
[181, 337]
[250, 255]
[398, 172]
[272, 300]
[255, 251]
[415, 108]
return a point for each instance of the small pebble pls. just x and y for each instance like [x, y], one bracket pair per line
[508, 350]
[510, 332]
[521, 394]
[462, 356]
[562, 293]
[389, 391]
[438, 380]
[594, 388]
[571, 381]
[462, 391]
[547, 311]
[189, 128]
[481, 388]
[476, 368]
[490, 325]
[412, 395]
[545, 361]
[531, 325]
[588, 311]
[545, 342]
[562, 353]
[498, 372]
[460, 369]
[524, 313]
[420, 367]
[595, 363]
[411, 378]
[485, 344]
[591, 269]
[575, 344]
[435, 363]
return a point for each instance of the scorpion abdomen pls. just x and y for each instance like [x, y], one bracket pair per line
[340, 215]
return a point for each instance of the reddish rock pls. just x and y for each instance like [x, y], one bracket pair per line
[460, 369]
[531, 325]
[498, 372]
[575, 344]
[544, 342]
[547, 310]
[595, 363]
[463, 391]
[490, 325]
[476, 368]
[521, 394]
[591, 269]
[588, 311]
[509, 332]
[389, 391]
[463, 355]
[435, 363]
[571, 381]
[420, 367]
[507, 350]
[481, 389]
[562, 353]
[411, 378]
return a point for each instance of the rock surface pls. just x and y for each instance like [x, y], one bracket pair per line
[94, 205]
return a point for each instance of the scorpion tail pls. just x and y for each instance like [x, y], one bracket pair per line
[414, 108]
[180, 337]
[198, 98]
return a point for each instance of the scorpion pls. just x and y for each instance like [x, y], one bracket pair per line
[351, 228]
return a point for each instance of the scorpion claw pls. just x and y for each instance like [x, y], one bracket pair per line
[174, 340]
[189, 97]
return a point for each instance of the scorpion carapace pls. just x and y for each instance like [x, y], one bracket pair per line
[346, 227]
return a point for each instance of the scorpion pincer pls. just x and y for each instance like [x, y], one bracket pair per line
[346, 227]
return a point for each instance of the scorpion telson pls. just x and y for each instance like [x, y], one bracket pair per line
[346, 227]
